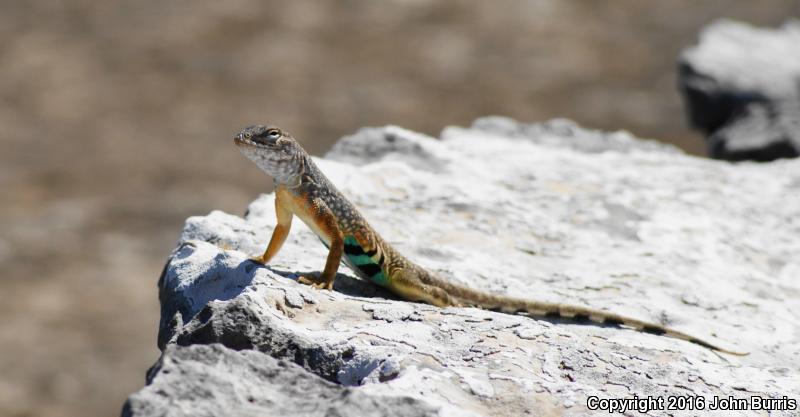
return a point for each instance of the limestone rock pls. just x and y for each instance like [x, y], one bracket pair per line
[532, 210]
[212, 380]
[741, 86]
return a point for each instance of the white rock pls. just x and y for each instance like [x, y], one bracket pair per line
[704, 246]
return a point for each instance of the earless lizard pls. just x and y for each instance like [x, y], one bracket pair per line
[302, 189]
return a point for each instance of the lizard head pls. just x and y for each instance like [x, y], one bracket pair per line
[273, 150]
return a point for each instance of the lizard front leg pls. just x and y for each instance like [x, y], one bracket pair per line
[284, 223]
[325, 222]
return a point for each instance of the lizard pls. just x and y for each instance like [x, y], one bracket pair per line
[302, 189]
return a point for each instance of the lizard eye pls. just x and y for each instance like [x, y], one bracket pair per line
[274, 134]
[248, 135]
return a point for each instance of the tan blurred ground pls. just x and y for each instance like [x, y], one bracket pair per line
[116, 119]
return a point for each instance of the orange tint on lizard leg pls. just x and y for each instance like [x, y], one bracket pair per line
[326, 222]
[284, 216]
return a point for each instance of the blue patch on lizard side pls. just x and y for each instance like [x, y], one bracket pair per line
[364, 262]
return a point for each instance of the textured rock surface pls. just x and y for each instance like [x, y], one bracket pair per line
[741, 86]
[216, 381]
[540, 211]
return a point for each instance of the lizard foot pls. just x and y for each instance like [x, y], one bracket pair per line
[315, 282]
[258, 260]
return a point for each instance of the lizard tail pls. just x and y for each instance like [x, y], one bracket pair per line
[462, 296]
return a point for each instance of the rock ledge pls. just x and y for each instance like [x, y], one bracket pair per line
[548, 211]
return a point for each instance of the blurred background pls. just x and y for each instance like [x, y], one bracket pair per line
[117, 119]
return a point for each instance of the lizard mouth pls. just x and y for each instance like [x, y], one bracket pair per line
[240, 140]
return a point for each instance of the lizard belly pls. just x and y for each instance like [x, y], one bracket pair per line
[300, 207]
[367, 266]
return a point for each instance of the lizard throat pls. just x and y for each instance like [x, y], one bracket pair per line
[285, 170]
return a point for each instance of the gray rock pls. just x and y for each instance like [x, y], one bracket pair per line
[741, 87]
[386, 143]
[760, 131]
[566, 133]
[216, 381]
[523, 209]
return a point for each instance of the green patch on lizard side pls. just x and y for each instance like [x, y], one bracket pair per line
[365, 263]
